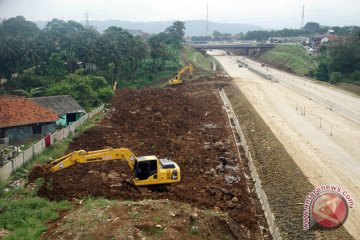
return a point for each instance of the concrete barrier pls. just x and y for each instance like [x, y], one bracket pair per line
[28, 154]
[72, 128]
[259, 190]
[6, 170]
[18, 161]
[66, 132]
[38, 147]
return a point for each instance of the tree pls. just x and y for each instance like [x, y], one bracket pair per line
[31, 93]
[175, 34]
[312, 26]
[335, 77]
[8, 56]
[56, 66]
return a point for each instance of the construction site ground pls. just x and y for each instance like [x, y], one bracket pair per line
[187, 124]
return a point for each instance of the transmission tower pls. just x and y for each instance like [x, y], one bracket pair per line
[302, 17]
[207, 19]
[87, 24]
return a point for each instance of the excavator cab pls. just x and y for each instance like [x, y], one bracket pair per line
[149, 170]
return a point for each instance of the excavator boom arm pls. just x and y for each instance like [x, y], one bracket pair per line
[177, 79]
[82, 156]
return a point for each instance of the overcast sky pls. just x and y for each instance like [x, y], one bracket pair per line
[273, 14]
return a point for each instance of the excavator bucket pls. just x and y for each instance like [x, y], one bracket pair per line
[38, 171]
[130, 186]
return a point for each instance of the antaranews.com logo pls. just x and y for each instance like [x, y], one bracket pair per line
[326, 206]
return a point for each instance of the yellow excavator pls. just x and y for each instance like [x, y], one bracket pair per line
[148, 170]
[177, 79]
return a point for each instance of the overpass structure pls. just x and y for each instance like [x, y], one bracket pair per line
[232, 46]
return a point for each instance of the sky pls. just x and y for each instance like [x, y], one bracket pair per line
[275, 14]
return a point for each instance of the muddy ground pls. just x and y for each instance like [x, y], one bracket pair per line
[187, 124]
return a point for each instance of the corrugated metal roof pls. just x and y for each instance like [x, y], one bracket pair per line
[19, 111]
[59, 104]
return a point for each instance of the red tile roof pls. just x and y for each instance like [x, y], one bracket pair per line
[331, 38]
[18, 111]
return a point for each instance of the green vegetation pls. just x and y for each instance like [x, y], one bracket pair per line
[22, 212]
[91, 203]
[68, 58]
[339, 61]
[263, 35]
[294, 58]
[198, 60]
[308, 29]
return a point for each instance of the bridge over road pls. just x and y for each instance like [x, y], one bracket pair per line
[231, 46]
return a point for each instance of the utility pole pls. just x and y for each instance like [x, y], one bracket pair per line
[302, 17]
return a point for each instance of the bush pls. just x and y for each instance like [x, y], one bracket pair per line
[355, 76]
[335, 77]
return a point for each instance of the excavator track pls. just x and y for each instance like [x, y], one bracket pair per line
[130, 186]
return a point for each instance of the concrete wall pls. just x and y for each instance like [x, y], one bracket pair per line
[23, 133]
[48, 128]
[19, 133]
[62, 120]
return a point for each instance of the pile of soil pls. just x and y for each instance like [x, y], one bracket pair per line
[186, 124]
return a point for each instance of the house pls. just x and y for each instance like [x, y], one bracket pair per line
[65, 106]
[22, 119]
[315, 40]
[318, 39]
[328, 39]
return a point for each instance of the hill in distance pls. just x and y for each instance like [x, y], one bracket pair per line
[193, 27]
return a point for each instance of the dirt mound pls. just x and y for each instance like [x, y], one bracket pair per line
[186, 124]
[147, 219]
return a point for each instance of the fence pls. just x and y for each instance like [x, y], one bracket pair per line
[259, 190]
[37, 148]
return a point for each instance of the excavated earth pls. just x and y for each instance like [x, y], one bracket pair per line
[186, 124]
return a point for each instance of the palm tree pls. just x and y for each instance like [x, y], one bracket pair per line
[30, 51]
[30, 93]
[8, 54]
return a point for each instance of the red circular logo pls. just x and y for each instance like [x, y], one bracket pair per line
[330, 209]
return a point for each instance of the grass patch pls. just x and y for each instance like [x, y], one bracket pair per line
[93, 203]
[22, 212]
[197, 59]
[148, 80]
[294, 58]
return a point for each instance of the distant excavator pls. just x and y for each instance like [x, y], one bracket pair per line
[177, 79]
[148, 170]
